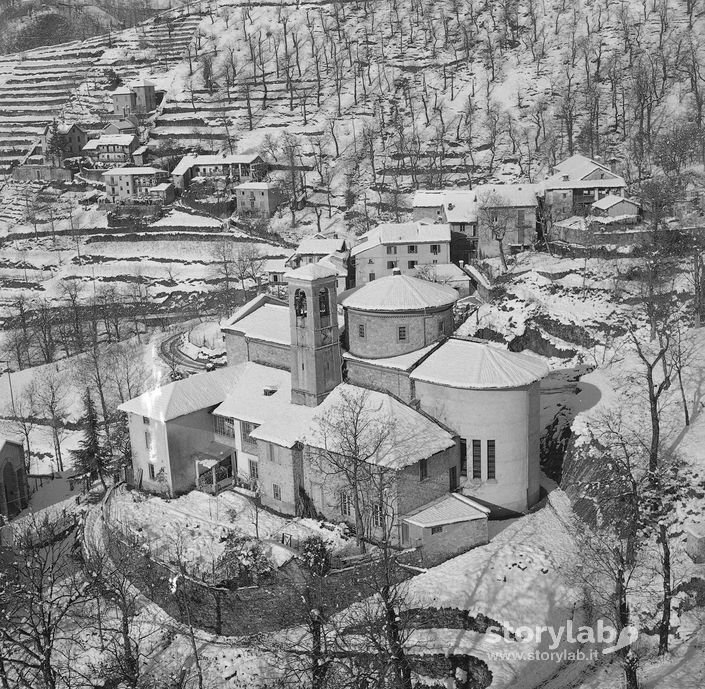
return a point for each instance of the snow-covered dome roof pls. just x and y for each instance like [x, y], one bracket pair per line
[400, 293]
[476, 365]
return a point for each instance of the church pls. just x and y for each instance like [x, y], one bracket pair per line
[445, 430]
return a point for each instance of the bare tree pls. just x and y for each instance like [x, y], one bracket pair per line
[495, 217]
[53, 396]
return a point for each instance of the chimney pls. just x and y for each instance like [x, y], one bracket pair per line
[461, 263]
[396, 271]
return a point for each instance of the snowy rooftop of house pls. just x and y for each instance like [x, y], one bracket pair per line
[573, 171]
[262, 396]
[133, 171]
[402, 233]
[401, 435]
[606, 202]
[141, 82]
[140, 151]
[403, 362]
[63, 127]
[121, 125]
[311, 271]
[275, 265]
[256, 186]
[91, 145]
[161, 187]
[112, 140]
[187, 162]
[336, 262]
[463, 205]
[428, 198]
[320, 246]
[400, 293]
[184, 396]
[122, 91]
[269, 322]
[448, 509]
[442, 271]
[16, 439]
[478, 365]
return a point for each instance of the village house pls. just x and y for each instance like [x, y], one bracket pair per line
[14, 492]
[463, 414]
[126, 126]
[236, 167]
[111, 148]
[72, 140]
[477, 216]
[403, 246]
[124, 101]
[138, 98]
[576, 183]
[313, 249]
[258, 198]
[133, 183]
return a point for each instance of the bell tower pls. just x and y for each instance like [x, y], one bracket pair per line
[315, 345]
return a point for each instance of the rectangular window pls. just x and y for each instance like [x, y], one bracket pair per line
[147, 441]
[145, 419]
[224, 426]
[436, 529]
[391, 265]
[245, 429]
[490, 459]
[376, 516]
[412, 264]
[423, 470]
[391, 249]
[402, 333]
[276, 491]
[413, 249]
[152, 472]
[370, 277]
[435, 249]
[361, 330]
[345, 504]
[404, 533]
[441, 327]
[254, 470]
[476, 459]
[463, 457]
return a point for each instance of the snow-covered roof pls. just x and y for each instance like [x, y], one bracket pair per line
[428, 198]
[251, 306]
[134, 171]
[187, 162]
[63, 127]
[91, 145]
[402, 362]
[121, 125]
[320, 246]
[311, 271]
[182, 397]
[451, 508]
[336, 262]
[268, 322]
[110, 140]
[164, 186]
[571, 174]
[14, 439]
[141, 82]
[140, 151]
[122, 91]
[463, 205]
[262, 396]
[442, 271]
[606, 202]
[401, 435]
[257, 186]
[400, 293]
[402, 233]
[275, 265]
[477, 365]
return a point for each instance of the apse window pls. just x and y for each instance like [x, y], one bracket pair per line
[276, 491]
[152, 473]
[361, 330]
[490, 459]
[402, 333]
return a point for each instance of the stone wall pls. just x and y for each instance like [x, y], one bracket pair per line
[393, 380]
[46, 173]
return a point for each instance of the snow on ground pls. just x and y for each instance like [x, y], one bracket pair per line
[197, 523]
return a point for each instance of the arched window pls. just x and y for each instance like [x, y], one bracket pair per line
[323, 302]
[300, 305]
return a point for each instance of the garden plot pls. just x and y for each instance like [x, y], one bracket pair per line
[196, 525]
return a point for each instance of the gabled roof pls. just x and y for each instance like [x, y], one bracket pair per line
[262, 396]
[428, 198]
[187, 162]
[186, 396]
[311, 271]
[14, 440]
[478, 365]
[268, 322]
[320, 246]
[402, 233]
[134, 171]
[64, 127]
[400, 435]
[275, 265]
[400, 293]
[141, 82]
[572, 173]
[109, 140]
[257, 186]
[121, 125]
[335, 261]
[451, 508]
[122, 91]
[606, 202]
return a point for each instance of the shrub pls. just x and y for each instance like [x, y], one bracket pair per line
[243, 561]
[315, 555]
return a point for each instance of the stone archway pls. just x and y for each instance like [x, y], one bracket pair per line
[11, 491]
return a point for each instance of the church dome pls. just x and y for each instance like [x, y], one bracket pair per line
[397, 292]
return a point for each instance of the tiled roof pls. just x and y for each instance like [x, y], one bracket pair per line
[477, 365]
[400, 293]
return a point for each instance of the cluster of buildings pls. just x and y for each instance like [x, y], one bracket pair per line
[458, 417]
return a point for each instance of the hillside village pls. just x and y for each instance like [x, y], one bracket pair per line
[352, 345]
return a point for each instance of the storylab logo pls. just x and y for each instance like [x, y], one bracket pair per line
[601, 639]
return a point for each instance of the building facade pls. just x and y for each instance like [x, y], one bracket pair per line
[132, 183]
[14, 491]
